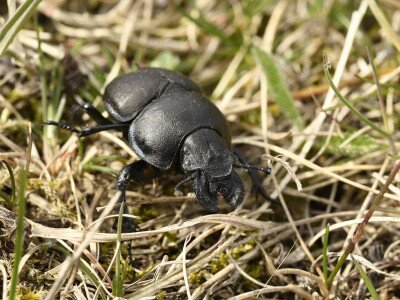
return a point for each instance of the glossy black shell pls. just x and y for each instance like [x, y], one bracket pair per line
[128, 94]
[163, 107]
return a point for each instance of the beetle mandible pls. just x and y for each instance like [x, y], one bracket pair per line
[170, 124]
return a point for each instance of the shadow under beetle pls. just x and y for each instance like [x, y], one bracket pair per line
[170, 124]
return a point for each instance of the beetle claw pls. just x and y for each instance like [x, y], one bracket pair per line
[62, 126]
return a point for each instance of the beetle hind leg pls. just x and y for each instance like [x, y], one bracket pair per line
[88, 130]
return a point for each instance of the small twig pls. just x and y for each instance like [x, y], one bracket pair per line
[184, 269]
[287, 167]
[360, 230]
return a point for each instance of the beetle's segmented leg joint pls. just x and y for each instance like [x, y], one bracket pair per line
[62, 126]
[247, 167]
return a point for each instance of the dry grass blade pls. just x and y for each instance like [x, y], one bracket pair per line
[380, 17]
[286, 166]
[273, 289]
[15, 23]
[185, 274]
[76, 235]
[340, 225]
[87, 238]
[178, 274]
[4, 275]
[350, 247]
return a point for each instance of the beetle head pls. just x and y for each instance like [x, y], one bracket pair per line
[208, 160]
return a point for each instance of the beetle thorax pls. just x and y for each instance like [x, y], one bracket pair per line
[205, 150]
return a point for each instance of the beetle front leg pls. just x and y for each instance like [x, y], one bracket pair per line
[256, 187]
[123, 179]
[137, 171]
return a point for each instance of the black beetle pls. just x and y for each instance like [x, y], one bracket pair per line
[169, 123]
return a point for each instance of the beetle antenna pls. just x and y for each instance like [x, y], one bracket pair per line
[177, 191]
[246, 167]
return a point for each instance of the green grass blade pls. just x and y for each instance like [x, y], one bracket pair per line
[91, 168]
[210, 28]
[83, 266]
[19, 241]
[366, 279]
[278, 87]
[118, 281]
[48, 131]
[13, 201]
[325, 253]
[354, 110]
[254, 7]
[20, 231]
[15, 23]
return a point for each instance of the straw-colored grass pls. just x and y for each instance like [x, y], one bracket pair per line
[332, 144]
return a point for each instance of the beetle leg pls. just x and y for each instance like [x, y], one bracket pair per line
[138, 171]
[256, 187]
[62, 126]
[89, 130]
[92, 130]
[95, 114]
[123, 179]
